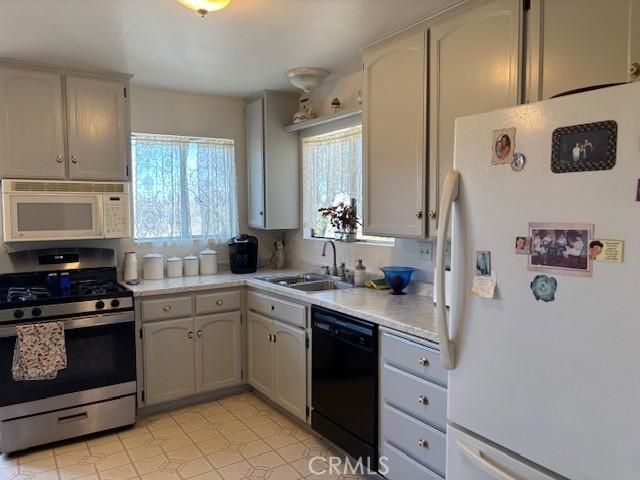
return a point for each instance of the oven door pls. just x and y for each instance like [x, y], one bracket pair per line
[52, 216]
[101, 364]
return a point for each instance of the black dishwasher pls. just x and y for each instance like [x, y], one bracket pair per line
[345, 383]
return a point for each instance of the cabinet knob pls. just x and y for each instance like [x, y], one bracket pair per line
[74, 159]
[269, 337]
[219, 302]
[167, 308]
[424, 362]
[272, 307]
[634, 70]
[432, 214]
[59, 158]
[274, 338]
[423, 400]
[190, 335]
[422, 443]
[260, 212]
[199, 333]
[418, 214]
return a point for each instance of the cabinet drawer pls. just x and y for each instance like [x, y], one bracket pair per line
[275, 308]
[165, 308]
[402, 467]
[424, 400]
[217, 302]
[413, 358]
[420, 441]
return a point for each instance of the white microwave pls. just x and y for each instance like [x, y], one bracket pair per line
[64, 210]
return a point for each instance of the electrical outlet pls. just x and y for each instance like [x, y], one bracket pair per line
[425, 251]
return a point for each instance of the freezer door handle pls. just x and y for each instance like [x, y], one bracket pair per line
[449, 195]
[475, 456]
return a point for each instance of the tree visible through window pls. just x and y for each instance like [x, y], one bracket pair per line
[183, 187]
[332, 173]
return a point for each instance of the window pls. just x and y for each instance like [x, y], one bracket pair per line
[332, 173]
[183, 188]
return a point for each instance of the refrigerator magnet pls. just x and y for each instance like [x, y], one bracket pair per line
[544, 288]
[483, 263]
[503, 146]
[606, 250]
[584, 148]
[484, 286]
[523, 245]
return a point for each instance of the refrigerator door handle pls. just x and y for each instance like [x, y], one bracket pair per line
[475, 456]
[449, 195]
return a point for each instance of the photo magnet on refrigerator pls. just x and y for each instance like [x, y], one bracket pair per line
[503, 146]
[544, 288]
[606, 250]
[523, 245]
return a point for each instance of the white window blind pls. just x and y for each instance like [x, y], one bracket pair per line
[184, 188]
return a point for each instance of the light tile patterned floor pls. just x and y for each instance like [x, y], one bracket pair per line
[239, 437]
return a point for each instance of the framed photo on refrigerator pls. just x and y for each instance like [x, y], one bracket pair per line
[561, 248]
[584, 148]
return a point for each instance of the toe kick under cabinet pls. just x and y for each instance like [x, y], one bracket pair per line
[413, 409]
[190, 344]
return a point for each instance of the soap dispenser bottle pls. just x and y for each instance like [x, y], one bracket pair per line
[360, 274]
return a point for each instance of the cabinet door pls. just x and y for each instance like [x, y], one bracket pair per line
[580, 43]
[255, 162]
[31, 124]
[289, 369]
[394, 117]
[169, 366]
[218, 357]
[474, 68]
[96, 128]
[260, 346]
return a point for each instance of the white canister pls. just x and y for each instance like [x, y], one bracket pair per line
[191, 266]
[152, 266]
[130, 267]
[174, 267]
[208, 262]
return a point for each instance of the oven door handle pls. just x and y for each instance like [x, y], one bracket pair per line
[73, 323]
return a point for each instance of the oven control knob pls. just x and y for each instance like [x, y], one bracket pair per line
[99, 304]
[36, 312]
[115, 303]
[18, 313]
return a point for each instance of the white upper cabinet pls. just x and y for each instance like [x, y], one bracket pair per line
[272, 161]
[475, 58]
[574, 44]
[31, 124]
[394, 129]
[98, 138]
[62, 123]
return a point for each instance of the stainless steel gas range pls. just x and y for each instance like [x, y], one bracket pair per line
[96, 391]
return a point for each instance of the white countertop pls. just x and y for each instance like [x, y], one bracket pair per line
[412, 314]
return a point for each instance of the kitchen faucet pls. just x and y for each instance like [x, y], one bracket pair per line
[334, 270]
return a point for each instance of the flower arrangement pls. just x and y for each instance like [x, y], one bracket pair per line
[343, 218]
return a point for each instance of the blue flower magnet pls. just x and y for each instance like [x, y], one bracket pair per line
[544, 288]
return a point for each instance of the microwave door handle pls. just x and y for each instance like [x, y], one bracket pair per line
[449, 195]
[101, 216]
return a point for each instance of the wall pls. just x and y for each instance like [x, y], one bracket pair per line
[179, 113]
[406, 252]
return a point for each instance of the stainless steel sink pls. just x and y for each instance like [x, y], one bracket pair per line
[321, 285]
[308, 282]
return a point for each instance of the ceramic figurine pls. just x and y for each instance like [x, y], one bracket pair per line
[305, 111]
[359, 98]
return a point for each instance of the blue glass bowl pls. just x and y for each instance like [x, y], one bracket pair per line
[398, 278]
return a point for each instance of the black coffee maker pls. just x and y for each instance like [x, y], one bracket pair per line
[243, 254]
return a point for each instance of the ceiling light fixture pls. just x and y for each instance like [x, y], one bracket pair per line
[203, 7]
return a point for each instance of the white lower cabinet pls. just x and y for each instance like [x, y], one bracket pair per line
[186, 356]
[169, 366]
[413, 399]
[277, 362]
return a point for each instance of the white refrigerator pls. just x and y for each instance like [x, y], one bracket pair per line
[544, 389]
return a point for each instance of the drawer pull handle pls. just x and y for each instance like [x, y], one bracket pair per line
[423, 400]
[422, 443]
[73, 418]
[219, 302]
[424, 362]
[190, 335]
[199, 333]
[272, 307]
[167, 308]
[274, 338]
[269, 337]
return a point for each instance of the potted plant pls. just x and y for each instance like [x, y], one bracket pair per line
[344, 220]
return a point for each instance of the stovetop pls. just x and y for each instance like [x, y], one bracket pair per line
[26, 295]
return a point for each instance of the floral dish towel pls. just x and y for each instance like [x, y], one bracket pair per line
[40, 351]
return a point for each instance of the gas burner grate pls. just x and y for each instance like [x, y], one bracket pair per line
[25, 294]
